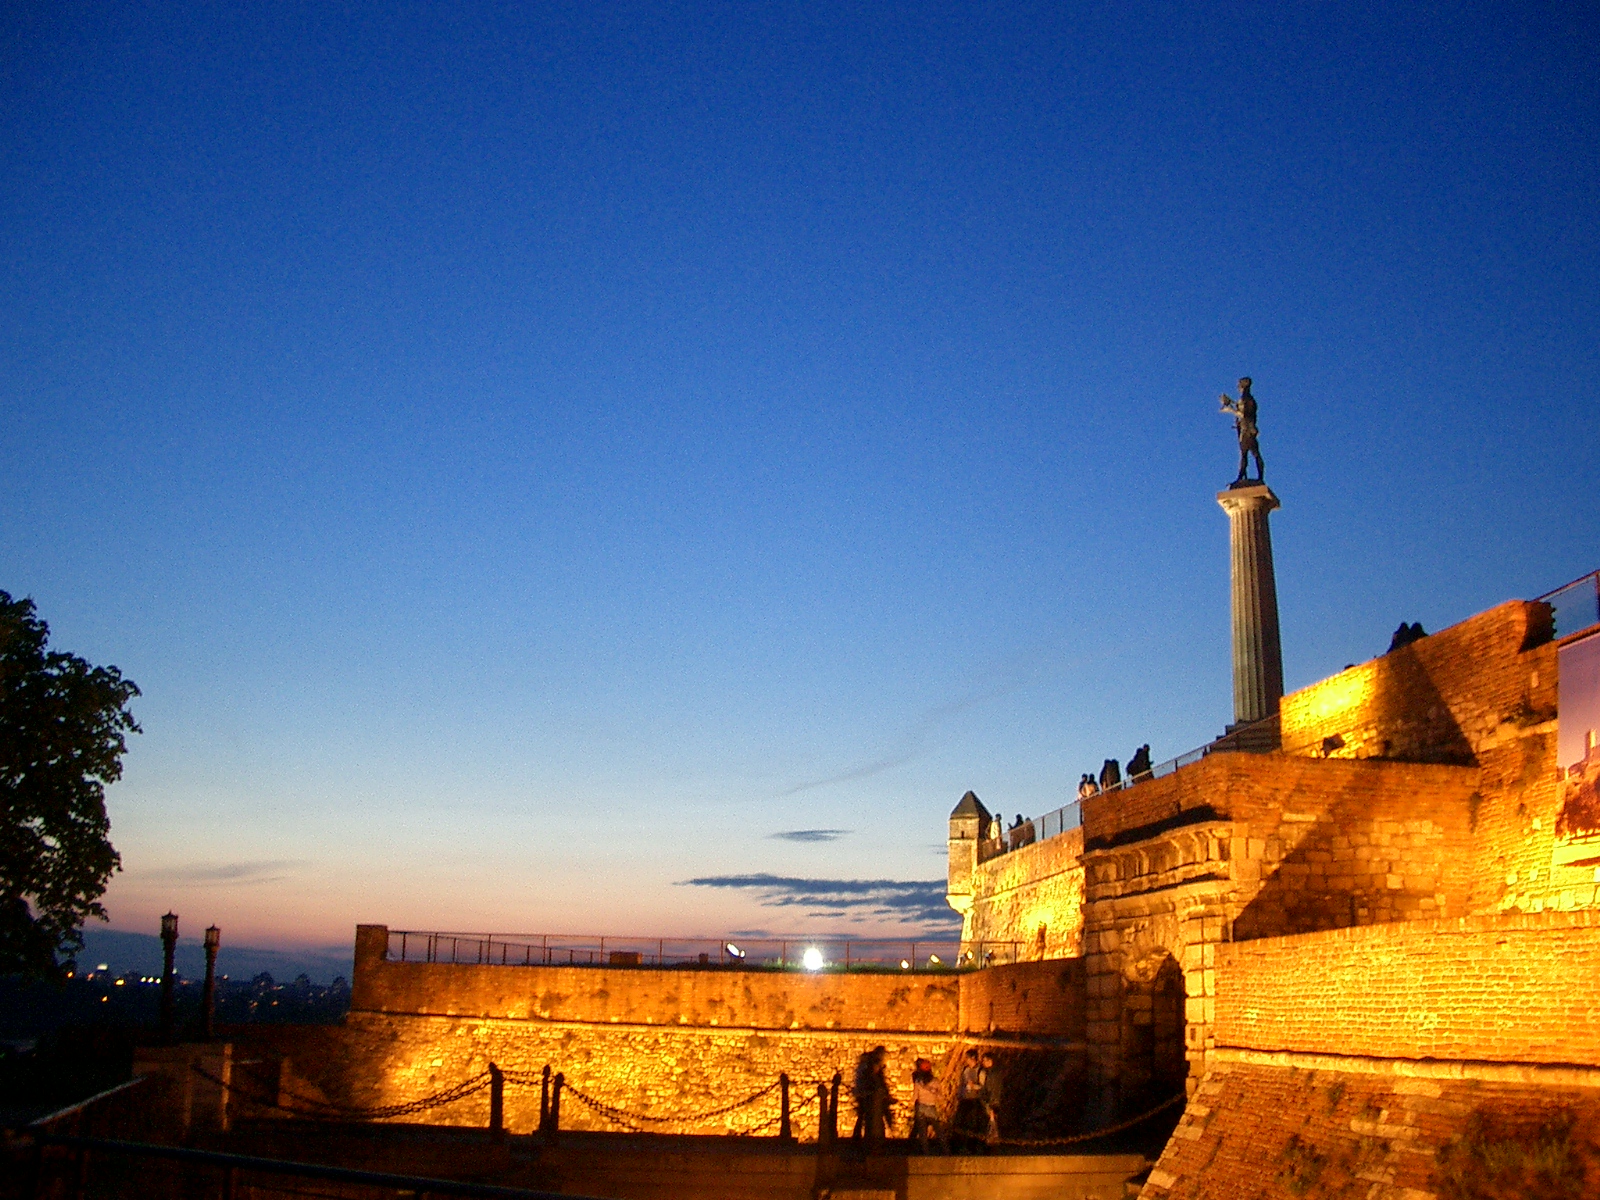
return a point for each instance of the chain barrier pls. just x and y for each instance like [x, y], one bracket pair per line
[1098, 1133]
[526, 1080]
[810, 1092]
[614, 1115]
[450, 1095]
[794, 1111]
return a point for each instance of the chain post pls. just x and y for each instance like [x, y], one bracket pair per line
[833, 1109]
[497, 1103]
[556, 1085]
[785, 1133]
[544, 1099]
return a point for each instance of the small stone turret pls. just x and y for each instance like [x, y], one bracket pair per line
[967, 822]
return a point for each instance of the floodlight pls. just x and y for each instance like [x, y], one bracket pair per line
[905, 964]
[734, 950]
[811, 960]
[933, 961]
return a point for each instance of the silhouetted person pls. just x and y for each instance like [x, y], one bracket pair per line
[1139, 764]
[989, 1097]
[872, 1097]
[1406, 634]
[972, 1122]
[1086, 786]
[1110, 775]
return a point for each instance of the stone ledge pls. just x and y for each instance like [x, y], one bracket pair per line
[1537, 1074]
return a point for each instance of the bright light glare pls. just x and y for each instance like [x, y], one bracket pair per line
[905, 964]
[735, 951]
[933, 960]
[811, 960]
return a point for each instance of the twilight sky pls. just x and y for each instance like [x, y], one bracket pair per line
[534, 456]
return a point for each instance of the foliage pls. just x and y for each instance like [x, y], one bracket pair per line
[1485, 1163]
[1302, 1166]
[62, 727]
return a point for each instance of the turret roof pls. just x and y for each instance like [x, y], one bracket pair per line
[970, 806]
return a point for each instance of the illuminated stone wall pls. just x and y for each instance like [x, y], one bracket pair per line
[665, 1043]
[1514, 988]
[1306, 1129]
[1033, 896]
[1442, 699]
[719, 997]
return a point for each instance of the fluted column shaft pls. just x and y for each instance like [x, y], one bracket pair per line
[1257, 651]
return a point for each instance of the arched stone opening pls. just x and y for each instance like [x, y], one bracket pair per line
[1154, 1026]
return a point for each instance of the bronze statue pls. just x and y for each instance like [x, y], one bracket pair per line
[1243, 411]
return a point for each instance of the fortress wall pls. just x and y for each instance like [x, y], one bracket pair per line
[378, 1059]
[1441, 699]
[1282, 1131]
[661, 1042]
[1036, 999]
[1512, 988]
[1323, 844]
[1032, 895]
[652, 996]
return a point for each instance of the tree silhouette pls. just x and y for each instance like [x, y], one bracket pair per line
[62, 727]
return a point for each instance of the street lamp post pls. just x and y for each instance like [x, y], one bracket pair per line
[209, 998]
[169, 942]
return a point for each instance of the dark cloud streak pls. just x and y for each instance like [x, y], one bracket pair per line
[810, 835]
[912, 901]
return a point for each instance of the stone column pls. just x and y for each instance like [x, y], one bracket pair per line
[1257, 653]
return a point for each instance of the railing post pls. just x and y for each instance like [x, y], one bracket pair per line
[822, 1115]
[785, 1133]
[497, 1103]
[556, 1085]
[544, 1099]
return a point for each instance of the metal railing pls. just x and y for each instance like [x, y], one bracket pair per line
[816, 953]
[1070, 816]
[1576, 605]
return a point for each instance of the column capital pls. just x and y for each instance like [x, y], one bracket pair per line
[1248, 496]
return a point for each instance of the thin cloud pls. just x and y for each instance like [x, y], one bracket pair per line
[908, 901]
[810, 835]
[1021, 671]
[268, 871]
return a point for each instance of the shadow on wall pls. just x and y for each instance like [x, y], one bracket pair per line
[1387, 708]
[1370, 858]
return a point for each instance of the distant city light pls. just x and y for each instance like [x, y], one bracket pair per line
[102, 967]
[811, 960]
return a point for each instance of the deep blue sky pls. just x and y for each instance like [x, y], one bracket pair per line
[529, 456]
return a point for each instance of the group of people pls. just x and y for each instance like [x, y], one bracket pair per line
[1020, 834]
[1111, 774]
[976, 1121]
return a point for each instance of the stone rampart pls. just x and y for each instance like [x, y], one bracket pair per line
[1441, 699]
[1039, 1000]
[665, 1043]
[1519, 988]
[715, 998]
[1275, 1130]
[1033, 896]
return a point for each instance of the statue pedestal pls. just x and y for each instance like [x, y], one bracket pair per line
[1257, 650]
